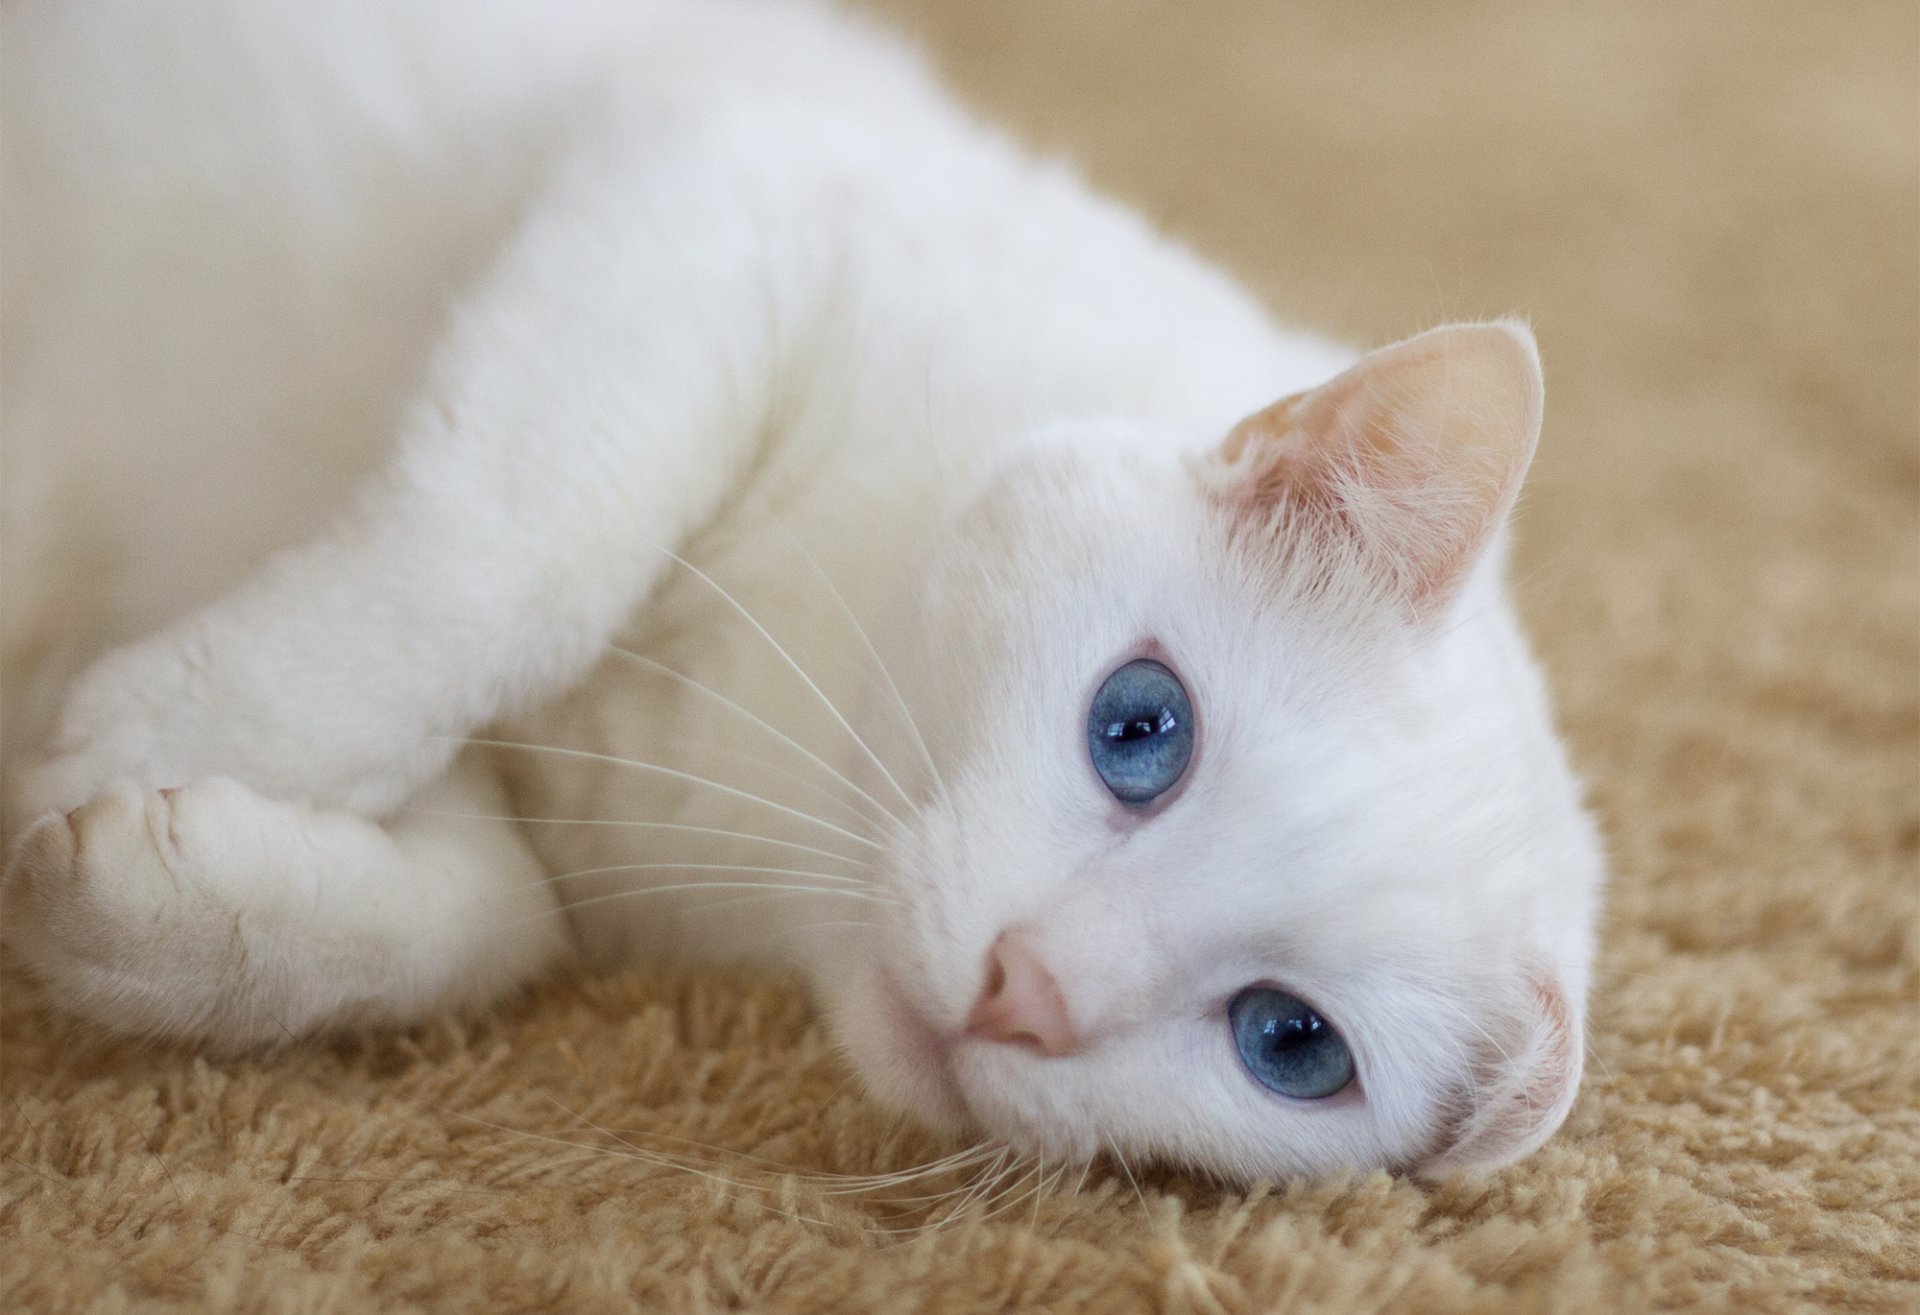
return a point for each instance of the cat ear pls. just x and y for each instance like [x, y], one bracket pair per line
[1415, 454]
[1522, 1089]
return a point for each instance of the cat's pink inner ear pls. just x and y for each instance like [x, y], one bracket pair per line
[1417, 452]
[1522, 1090]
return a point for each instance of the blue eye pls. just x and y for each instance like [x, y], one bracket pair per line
[1287, 1046]
[1140, 731]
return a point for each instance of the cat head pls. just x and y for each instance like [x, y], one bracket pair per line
[1251, 847]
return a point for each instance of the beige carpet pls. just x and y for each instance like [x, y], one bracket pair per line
[1712, 212]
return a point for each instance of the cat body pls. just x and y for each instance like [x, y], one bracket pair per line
[765, 469]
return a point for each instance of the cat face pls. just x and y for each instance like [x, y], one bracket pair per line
[1252, 848]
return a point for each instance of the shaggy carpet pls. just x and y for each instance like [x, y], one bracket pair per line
[1712, 213]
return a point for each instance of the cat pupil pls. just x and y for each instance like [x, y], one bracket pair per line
[1142, 727]
[1291, 1033]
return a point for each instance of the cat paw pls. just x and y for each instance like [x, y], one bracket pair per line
[130, 718]
[131, 909]
[195, 702]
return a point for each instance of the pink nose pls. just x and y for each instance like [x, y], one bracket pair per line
[1020, 1003]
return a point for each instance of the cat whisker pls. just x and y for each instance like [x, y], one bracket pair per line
[852, 1183]
[1034, 1193]
[991, 1157]
[796, 668]
[786, 929]
[848, 1185]
[838, 880]
[1126, 1169]
[766, 889]
[842, 1184]
[678, 775]
[1018, 1192]
[1599, 1060]
[654, 1159]
[676, 827]
[758, 887]
[884, 824]
[987, 1189]
[862, 1184]
[925, 1200]
[1079, 1185]
[899, 700]
[1051, 1186]
[822, 926]
[662, 668]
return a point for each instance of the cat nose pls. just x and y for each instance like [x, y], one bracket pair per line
[1020, 1003]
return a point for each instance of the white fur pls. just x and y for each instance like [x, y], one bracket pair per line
[717, 332]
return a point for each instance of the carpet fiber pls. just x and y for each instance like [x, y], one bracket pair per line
[1710, 212]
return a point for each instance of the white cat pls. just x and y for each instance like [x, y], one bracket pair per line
[893, 554]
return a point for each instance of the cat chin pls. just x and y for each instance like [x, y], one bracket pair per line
[951, 1085]
[1010, 1106]
[903, 1062]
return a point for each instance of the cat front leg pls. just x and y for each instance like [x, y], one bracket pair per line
[591, 405]
[213, 915]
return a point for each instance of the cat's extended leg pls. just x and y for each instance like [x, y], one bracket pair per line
[214, 915]
[593, 402]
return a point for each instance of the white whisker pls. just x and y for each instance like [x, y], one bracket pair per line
[1008, 1200]
[841, 1185]
[884, 824]
[677, 775]
[822, 926]
[1127, 1169]
[770, 889]
[899, 700]
[1047, 1189]
[646, 1157]
[861, 1184]
[639, 826]
[856, 882]
[845, 1184]
[767, 887]
[796, 668]
[654, 665]
[984, 1189]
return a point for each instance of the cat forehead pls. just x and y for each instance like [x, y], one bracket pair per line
[1079, 543]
